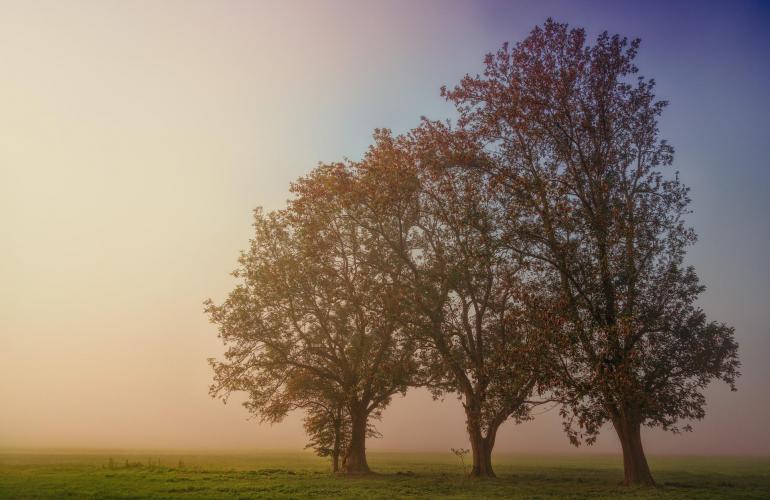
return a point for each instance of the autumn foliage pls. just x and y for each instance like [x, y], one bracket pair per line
[535, 251]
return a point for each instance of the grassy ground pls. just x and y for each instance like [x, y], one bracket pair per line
[400, 475]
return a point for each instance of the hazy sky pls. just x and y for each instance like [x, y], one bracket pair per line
[136, 137]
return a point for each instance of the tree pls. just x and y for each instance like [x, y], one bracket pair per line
[326, 421]
[576, 151]
[329, 429]
[462, 283]
[314, 320]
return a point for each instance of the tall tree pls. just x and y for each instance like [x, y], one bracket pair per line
[462, 282]
[312, 305]
[573, 131]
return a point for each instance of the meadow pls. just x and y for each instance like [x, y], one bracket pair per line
[115, 474]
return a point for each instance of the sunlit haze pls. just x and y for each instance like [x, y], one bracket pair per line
[136, 137]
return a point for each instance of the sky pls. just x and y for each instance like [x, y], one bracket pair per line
[136, 138]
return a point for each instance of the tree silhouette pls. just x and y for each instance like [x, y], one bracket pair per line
[576, 155]
[314, 320]
[461, 281]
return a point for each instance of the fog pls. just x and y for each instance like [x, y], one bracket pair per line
[136, 138]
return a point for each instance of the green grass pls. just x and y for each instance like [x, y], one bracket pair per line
[400, 475]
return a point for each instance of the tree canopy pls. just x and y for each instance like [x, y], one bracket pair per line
[313, 319]
[535, 251]
[426, 205]
[577, 158]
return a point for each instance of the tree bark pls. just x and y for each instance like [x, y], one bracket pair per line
[355, 458]
[635, 468]
[336, 448]
[481, 446]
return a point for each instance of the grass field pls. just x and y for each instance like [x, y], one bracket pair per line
[400, 475]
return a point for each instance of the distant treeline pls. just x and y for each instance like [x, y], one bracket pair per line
[531, 253]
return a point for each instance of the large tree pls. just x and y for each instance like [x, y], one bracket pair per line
[462, 282]
[577, 155]
[313, 315]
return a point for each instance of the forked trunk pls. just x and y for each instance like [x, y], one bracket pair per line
[482, 458]
[481, 446]
[355, 459]
[635, 468]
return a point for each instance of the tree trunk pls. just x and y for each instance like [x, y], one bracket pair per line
[355, 459]
[635, 468]
[335, 461]
[481, 447]
[336, 447]
[482, 458]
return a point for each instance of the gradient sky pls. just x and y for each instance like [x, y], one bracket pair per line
[136, 137]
